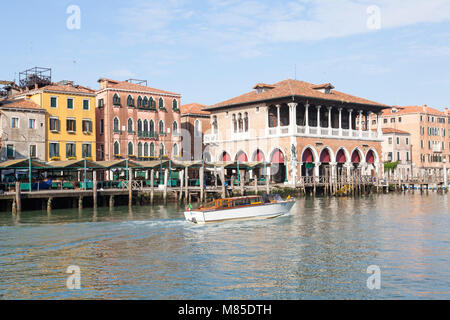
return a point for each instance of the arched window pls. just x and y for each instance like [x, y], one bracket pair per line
[175, 127]
[130, 101]
[146, 149]
[161, 103]
[152, 128]
[240, 122]
[161, 127]
[140, 149]
[197, 128]
[175, 150]
[161, 150]
[175, 104]
[234, 124]
[152, 149]
[130, 125]
[116, 148]
[145, 102]
[145, 126]
[215, 125]
[139, 102]
[116, 100]
[139, 126]
[130, 148]
[116, 125]
[151, 103]
[246, 122]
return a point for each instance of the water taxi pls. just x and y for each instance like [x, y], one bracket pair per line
[241, 208]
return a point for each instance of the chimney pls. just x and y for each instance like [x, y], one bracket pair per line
[446, 111]
[425, 108]
[36, 86]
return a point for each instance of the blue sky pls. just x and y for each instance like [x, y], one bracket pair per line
[211, 50]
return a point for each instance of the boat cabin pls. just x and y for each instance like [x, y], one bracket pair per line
[240, 202]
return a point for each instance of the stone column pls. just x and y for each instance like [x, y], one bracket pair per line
[369, 124]
[293, 120]
[350, 121]
[330, 132]
[340, 121]
[316, 169]
[318, 119]
[307, 118]
[379, 130]
[360, 123]
[278, 119]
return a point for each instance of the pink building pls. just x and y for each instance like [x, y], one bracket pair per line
[137, 122]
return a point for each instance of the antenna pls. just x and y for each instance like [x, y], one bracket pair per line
[295, 72]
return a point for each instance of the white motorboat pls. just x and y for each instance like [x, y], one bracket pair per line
[242, 208]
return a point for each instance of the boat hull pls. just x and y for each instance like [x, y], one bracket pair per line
[266, 211]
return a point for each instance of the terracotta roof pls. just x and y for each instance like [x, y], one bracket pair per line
[124, 85]
[392, 130]
[20, 104]
[412, 109]
[194, 108]
[291, 87]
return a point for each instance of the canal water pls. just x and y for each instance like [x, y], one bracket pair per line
[320, 251]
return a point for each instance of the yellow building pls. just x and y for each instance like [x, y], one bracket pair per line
[70, 120]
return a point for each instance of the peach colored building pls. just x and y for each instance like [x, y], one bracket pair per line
[300, 128]
[137, 122]
[397, 148]
[429, 129]
[194, 122]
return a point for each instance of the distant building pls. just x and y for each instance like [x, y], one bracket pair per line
[430, 134]
[397, 148]
[22, 130]
[70, 119]
[194, 123]
[136, 121]
[302, 129]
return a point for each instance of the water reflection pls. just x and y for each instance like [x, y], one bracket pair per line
[321, 250]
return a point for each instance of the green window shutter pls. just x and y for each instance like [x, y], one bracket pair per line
[53, 102]
[85, 104]
[69, 103]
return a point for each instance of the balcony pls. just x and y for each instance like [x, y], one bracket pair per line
[437, 148]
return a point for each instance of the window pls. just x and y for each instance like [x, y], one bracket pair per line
[385, 120]
[398, 156]
[102, 152]
[87, 125]
[53, 102]
[130, 148]
[87, 150]
[151, 103]
[69, 103]
[161, 103]
[54, 124]
[152, 149]
[130, 125]
[86, 104]
[392, 120]
[161, 150]
[10, 151]
[175, 104]
[102, 126]
[146, 126]
[116, 100]
[116, 148]
[33, 151]
[145, 102]
[175, 127]
[399, 119]
[140, 150]
[390, 156]
[197, 128]
[71, 150]
[139, 126]
[398, 140]
[152, 128]
[101, 103]
[31, 123]
[161, 127]
[116, 125]
[422, 144]
[139, 102]
[53, 150]
[71, 125]
[146, 149]
[15, 123]
[175, 150]
[130, 101]
[390, 140]
[407, 141]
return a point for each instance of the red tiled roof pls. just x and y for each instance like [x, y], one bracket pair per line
[193, 108]
[392, 130]
[291, 87]
[20, 104]
[412, 109]
[124, 85]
